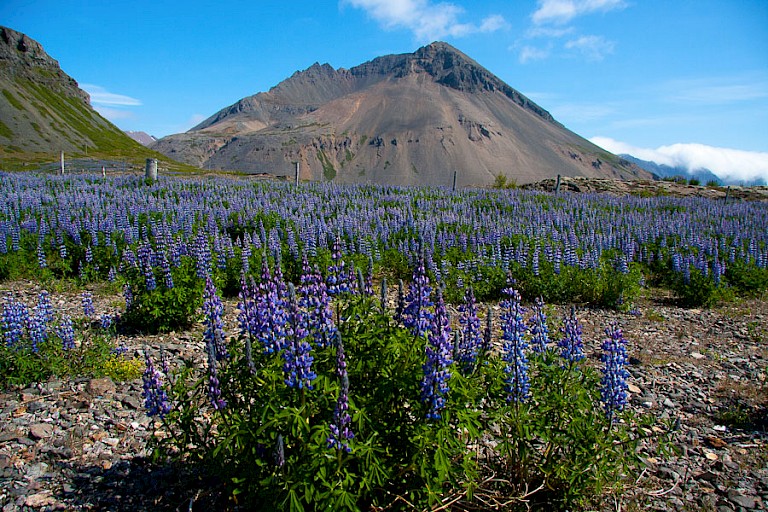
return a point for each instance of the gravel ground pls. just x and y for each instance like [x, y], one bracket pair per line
[80, 444]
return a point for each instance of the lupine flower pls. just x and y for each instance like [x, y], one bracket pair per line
[296, 354]
[213, 309]
[128, 294]
[66, 333]
[106, 321]
[571, 346]
[416, 314]
[341, 434]
[14, 321]
[367, 287]
[314, 297]
[434, 384]
[247, 318]
[614, 382]
[470, 337]
[214, 386]
[338, 278]
[155, 397]
[513, 336]
[270, 316]
[87, 302]
[400, 305]
[539, 330]
[41, 260]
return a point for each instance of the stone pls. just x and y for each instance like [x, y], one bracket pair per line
[41, 431]
[35, 471]
[40, 499]
[131, 402]
[100, 387]
[742, 500]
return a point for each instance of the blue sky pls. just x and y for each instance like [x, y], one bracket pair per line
[675, 81]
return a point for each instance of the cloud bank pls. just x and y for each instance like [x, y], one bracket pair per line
[109, 104]
[726, 163]
[560, 12]
[428, 21]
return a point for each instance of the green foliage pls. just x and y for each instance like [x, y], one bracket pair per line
[557, 451]
[699, 289]
[558, 448]
[93, 356]
[163, 309]
[502, 182]
[747, 278]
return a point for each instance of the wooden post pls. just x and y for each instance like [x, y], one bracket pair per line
[61, 168]
[103, 172]
[297, 173]
[727, 193]
[454, 181]
[557, 185]
[151, 170]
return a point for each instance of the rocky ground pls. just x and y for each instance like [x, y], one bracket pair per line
[648, 188]
[80, 444]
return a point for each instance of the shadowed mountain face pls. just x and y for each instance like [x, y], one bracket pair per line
[42, 109]
[399, 119]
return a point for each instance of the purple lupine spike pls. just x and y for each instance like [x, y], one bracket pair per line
[87, 303]
[66, 333]
[539, 329]
[571, 346]
[297, 352]
[416, 314]
[434, 384]
[270, 317]
[338, 277]
[614, 382]
[314, 298]
[128, 294]
[341, 433]
[367, 288]
[213, 309]
[155, 397]
[470, 337]
[247, 319]
[513, 336]
[214, 386]
[15, 318]
[400, 305]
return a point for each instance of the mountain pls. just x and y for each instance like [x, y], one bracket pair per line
[43, 111]
[667, 171]
[398, 119]
[142, 138]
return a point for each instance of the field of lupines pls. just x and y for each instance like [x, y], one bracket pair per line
[323, 395]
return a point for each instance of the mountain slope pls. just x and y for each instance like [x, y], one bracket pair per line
[43, 111]
[398, 119]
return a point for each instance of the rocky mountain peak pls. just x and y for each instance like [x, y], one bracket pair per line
[22, 56]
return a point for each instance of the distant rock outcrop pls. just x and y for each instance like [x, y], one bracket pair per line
[399, 119]
[42, 109]
[142, 138]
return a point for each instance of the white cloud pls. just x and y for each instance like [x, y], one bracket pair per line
[427, 20]
[592, 47]
[563, 11]
[726, 163]
[529, 53]
[113, 114]
[100, 96]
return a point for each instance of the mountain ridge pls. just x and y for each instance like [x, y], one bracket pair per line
[404, 119]
[43, 111]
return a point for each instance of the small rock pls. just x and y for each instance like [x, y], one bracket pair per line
[634, 389]
[711, 456]
[697, 355]
[34, 407]
[131, 402]
[716, 442]
[741, 499]
[41, 499]
[41, 430]
[35, 471]
[100, 387]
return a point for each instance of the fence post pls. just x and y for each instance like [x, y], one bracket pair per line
[557, 185]
[61, 163]
[151, 170]
[297, 173]
[454, 181]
